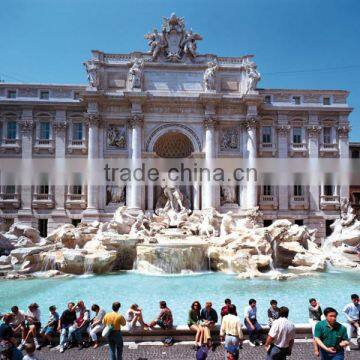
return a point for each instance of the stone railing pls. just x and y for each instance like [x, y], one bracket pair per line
[75, 201]
[9, 200]
[267, 148]
[183, 333]
[11, 144]
[43, 200]
[298, 148]
[76, 145]
[330, 202]
[44, 145]
[268, 202]
[331, 149]
[298, 202]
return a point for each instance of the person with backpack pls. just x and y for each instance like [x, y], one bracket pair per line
[113, 321]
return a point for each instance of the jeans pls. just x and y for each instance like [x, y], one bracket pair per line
[75, 334]
[115, 345]
[94, 331]
[351, 329]
[64, 335]
[276, 354]
[327, 356]
[253, 334]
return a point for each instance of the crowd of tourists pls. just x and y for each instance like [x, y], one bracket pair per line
[82, 327]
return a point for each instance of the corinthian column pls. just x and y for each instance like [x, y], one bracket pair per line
[93, 120]
[251, 147]
[343, 133]
[133, 198]
[26, 126]
[209, 189]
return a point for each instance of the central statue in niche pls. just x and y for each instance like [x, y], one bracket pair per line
[174, 204]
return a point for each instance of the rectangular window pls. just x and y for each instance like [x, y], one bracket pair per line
[297, 135]
[77, 189]
[298, 190]
[326, 101]
[297, 100]
[77, 131]
[76, 95]
[266, 135]
[11, 94]
[44, 130]
[267, 190]
[44, 189]
[327, 135]
[328, 190]
[10, 189]
[267, 99]
[299, 222]
[11, 130]
[44, 95]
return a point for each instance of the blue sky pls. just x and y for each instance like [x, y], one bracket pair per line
[310, 44]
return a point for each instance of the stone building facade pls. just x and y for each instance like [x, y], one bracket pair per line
[169, 102]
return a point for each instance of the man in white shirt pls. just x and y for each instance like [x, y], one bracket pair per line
[231, 331]
[281, 336]
[352, 314]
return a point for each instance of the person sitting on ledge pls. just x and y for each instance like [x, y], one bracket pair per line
[134, 316]
[67, 319]
[50, 328]
[32, 325]
[18, 322]
[352, 314]
[315, 314]
[164, 319]
[194, 323]
[273, 312]
[80, 325]
[96, 326]
[209, 319]
[225, 308]
[252, 325]
[7, 339]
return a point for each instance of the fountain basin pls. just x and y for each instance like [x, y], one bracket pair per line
[172, 257]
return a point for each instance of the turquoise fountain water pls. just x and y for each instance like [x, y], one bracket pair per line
[332, 288]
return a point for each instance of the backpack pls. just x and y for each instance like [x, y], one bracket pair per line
[168, 341]
[202, 353]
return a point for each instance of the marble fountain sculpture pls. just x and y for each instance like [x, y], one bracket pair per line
[176, 240]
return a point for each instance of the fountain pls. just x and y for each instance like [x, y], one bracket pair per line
[173, 240]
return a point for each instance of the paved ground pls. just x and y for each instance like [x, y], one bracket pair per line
[302, 351]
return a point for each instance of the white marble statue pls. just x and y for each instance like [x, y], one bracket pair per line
[210, 76]
[228, 195]
[189, 43]
[135, 74]
[157, 42]
[253, 77]
[227, 223]
[92, 70]
[115, 194]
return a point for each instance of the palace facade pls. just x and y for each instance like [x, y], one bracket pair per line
[169, 102]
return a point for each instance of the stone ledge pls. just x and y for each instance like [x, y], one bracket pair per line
[183, 333]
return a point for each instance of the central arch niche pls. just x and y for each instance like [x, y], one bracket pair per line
[173, 145]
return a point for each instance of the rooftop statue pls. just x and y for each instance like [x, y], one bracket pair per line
[174, 42]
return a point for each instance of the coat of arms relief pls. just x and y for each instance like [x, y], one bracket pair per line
[174, 42]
